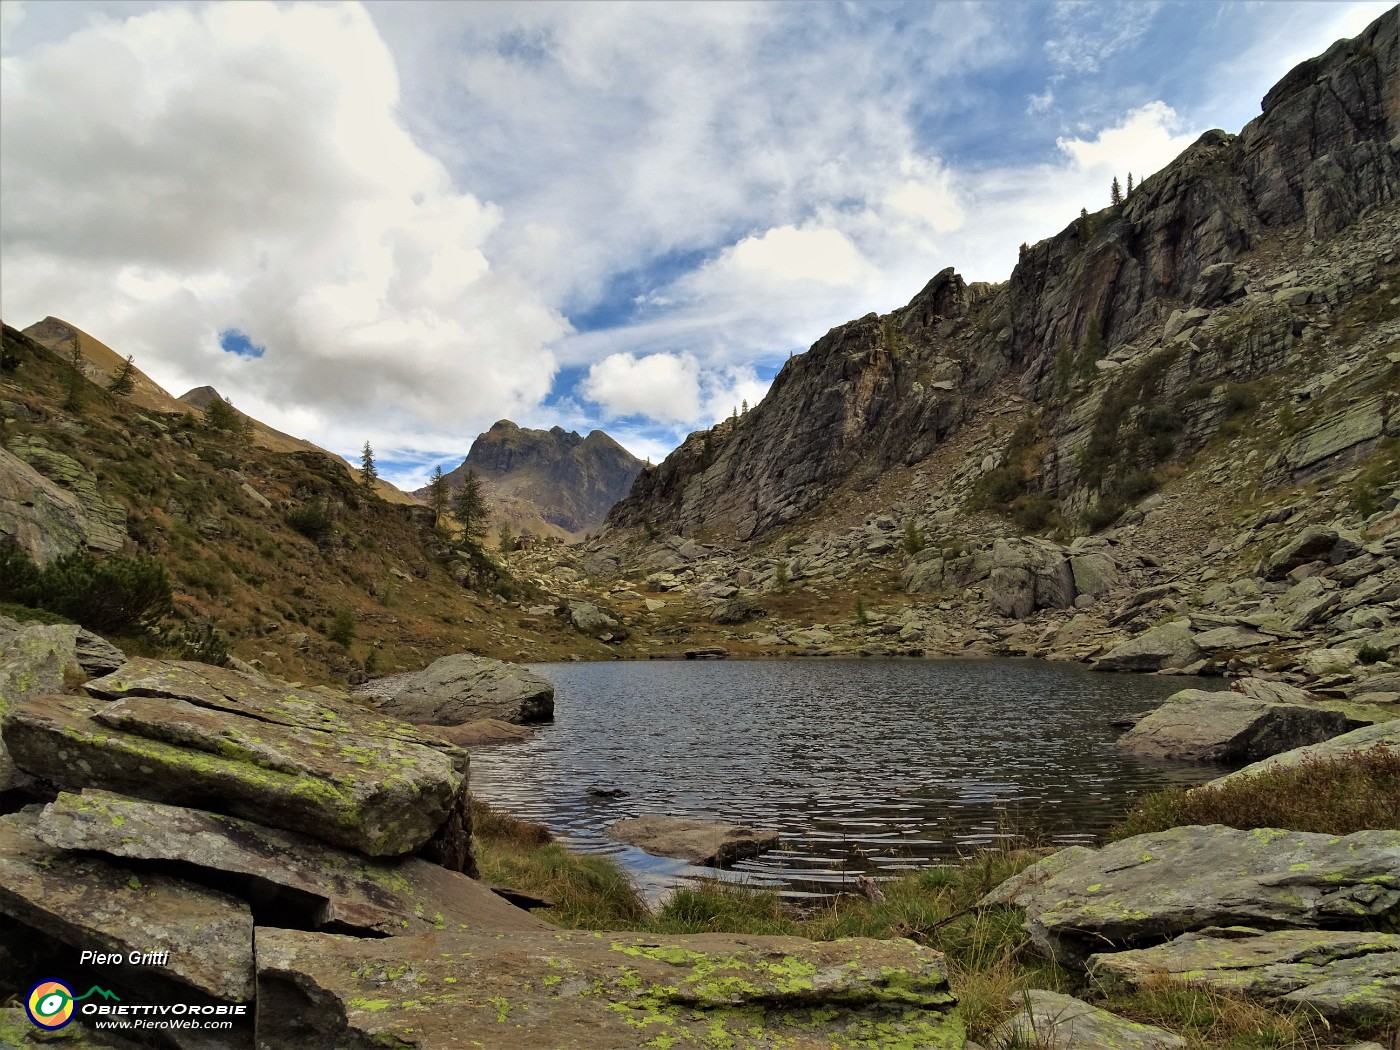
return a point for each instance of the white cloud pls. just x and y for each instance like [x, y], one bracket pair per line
[663, 387]
[184, 171]
[11, 15]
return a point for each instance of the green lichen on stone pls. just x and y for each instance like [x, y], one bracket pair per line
[369, 1005]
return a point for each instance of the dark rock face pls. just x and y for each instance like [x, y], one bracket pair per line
[570, 481]
[881, 391]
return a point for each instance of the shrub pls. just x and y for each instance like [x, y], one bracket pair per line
[1372, 654]
[914, 539]
[313, 520]
[1034, 513]
[202, 643]
[109, 597]
[342, 629]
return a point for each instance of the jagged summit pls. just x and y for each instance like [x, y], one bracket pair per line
[552, 482]
[881, 393]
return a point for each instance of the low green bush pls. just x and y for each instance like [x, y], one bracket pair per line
[112, 596]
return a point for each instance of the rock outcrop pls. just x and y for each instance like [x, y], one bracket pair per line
[463, 688]
[49, 506]
[606, 991]
[1147, 888]
[1197, 726]
[1061, 1022]
[713, 843]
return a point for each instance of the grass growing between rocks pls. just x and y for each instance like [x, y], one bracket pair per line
[1209, 1019]
[1331, 797]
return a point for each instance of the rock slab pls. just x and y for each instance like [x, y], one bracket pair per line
[463, 688]
[1051, 1021]
[591, 991]
[1200, 726]
[698, 841]
[191, 734]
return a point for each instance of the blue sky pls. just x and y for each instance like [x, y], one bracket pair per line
[403, 221]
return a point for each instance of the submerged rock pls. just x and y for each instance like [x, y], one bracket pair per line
[1201, 726]
[697, 841]
[1349, 976]
[1150, 887]
[191, 734]
[600, 991]
[463, 688]
[1051, 1021]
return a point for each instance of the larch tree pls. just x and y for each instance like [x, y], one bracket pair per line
[368, 472]
[469, 508]
[439, 495]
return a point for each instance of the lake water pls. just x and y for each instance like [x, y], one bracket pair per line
[864, 766]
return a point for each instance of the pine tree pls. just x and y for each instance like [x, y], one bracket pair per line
[505, 539]
[1130, 184]
[72, 402]
[439, 496]
[368, 473]
[220, 415]
[744, 408]
[469, 508]
[124, 381]
[1115, 192]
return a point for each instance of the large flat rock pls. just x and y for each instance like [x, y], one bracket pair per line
[1350, 976]
[1151, 887]
[688, 838]
[1168, 646]
[1204, 726]
[330, 888]
[190, 734]
[93, 904]
[463, 688]
[600, 991]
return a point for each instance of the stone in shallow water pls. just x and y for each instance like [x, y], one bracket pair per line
[1203, 726]
[463, 688]
[1351, 976]
[697, 841]
[606, 991]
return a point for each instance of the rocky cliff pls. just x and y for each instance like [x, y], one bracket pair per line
[1073, 328]
[548, 482]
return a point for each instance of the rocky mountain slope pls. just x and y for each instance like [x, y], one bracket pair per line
[1177, 416]
[548, 482]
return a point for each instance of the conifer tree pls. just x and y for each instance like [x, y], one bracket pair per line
[1115, 192]
[124, 381]
[1130, 184]
[368, 473]
[469, 508]
[72, 402]
[219, 414]
[439, 496]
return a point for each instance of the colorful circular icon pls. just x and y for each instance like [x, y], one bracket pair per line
[50, 1004]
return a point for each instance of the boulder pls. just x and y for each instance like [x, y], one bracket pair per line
[590, 620]
[301, 759]
[1233, 638]
[463, 688]
[1316, 542]
[697, 841]
[606, 991]
[1382, 734]
[1198, 726]
[1051, 1021]
[1352, 977]
[33, 661]
[92, 904]
[481, 733]
[1148, 888]
[48, 517]
[328, 888]
[1094, 574]
[1169, 646]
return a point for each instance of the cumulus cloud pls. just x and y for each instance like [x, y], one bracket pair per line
[663, 387]
[183, 172]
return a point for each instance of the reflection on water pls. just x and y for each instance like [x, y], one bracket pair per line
[862, 765]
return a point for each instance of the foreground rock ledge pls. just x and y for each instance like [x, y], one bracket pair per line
[687, 838]
[1148, 888]
[597, 991]
[189, 734]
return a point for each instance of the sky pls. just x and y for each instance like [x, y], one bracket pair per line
[400, 222]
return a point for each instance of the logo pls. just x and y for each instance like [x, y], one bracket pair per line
[50, 1003]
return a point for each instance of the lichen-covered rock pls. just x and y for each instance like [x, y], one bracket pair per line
[588, 619]
[33, 661]
[1199, 726]
[592, 991]
[331, 888]
[463, 688]
[300, 759]
[1147, 888]
[1168, 646]
[1051, 1021]
[687, 838]
[54, 506]
[1348, 976]
[92, 904]
[1382, 734]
